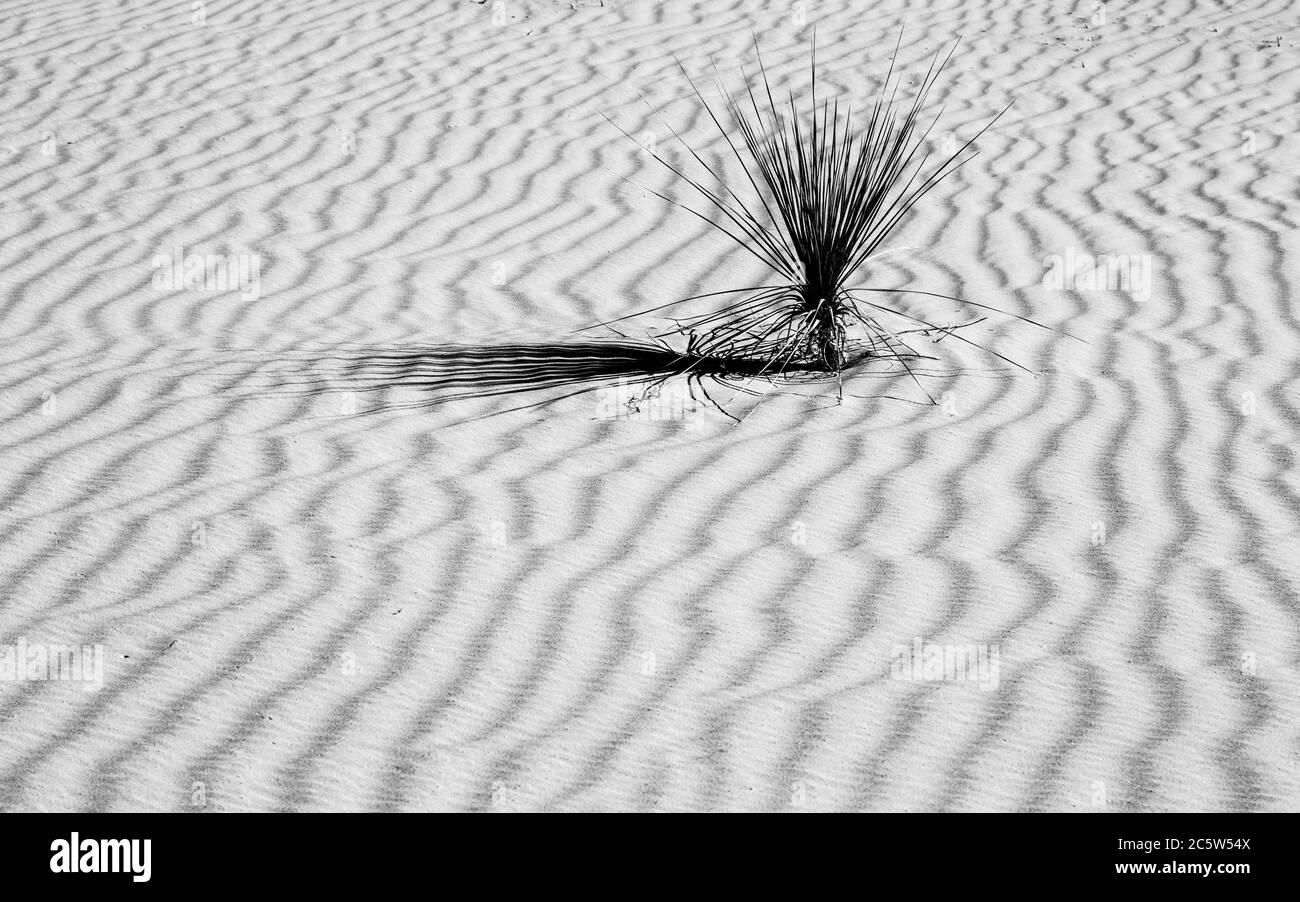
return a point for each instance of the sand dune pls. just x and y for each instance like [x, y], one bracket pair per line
[354, 599]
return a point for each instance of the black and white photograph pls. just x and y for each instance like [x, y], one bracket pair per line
[867, 407]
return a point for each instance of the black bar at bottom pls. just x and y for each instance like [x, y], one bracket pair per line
[331, 851]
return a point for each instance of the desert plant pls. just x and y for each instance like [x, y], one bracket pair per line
[828, 194]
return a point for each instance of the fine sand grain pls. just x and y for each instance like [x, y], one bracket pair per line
[353, 599]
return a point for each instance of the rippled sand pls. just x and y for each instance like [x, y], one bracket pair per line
[355, 600]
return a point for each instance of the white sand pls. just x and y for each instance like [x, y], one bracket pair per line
[553, 609]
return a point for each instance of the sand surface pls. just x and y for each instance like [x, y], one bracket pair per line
[355, 600]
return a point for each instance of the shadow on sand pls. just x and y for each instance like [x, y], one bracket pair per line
[461, 372]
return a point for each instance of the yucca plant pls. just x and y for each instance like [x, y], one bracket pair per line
[825, 197]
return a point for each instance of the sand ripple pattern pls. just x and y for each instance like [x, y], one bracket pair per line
[353, 600]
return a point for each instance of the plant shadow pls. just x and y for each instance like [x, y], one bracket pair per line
[446, 373]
